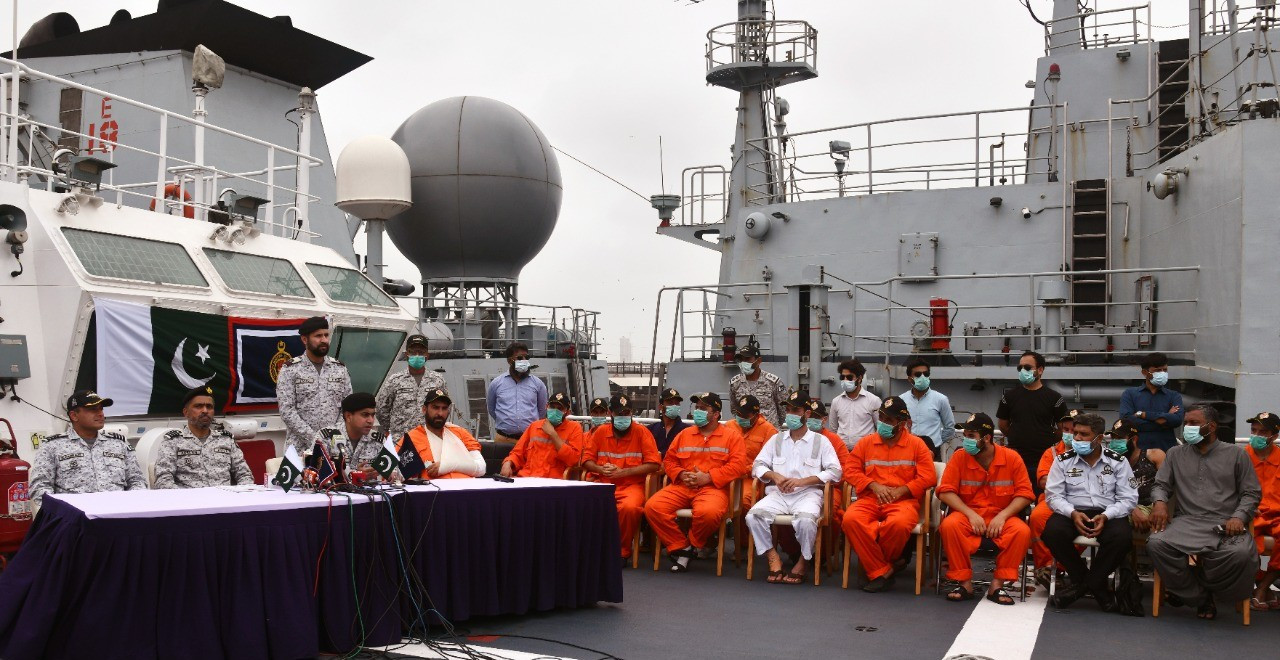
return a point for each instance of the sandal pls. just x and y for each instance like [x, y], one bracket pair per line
[960, 594]
[1208, 611]
[1259, 605]
[1000, 597]
[793, 578]
[774, 577]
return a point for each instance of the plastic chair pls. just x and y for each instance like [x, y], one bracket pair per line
[785, 521]
[735, 506]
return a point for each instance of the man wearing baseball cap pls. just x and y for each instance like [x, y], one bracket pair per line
[623, 453]
[399, 400]
[766, 387]
[311, 386]
[666, 429]
[85, 459]
[1040, 514]
[755, 430]
[548, 446]
[448, 451]
[1263, 431]
[200, 454]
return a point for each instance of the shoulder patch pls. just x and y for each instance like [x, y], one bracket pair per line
[56, 436]
[331, 432]
[1067, 455]
[376, 436]
[334, 360]
[1112, 455]
[109, 435]
[295, 360]
[173, 434]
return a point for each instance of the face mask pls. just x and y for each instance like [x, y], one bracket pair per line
[673, 412]
[793, 421]
[1191, 434]
[1160, 378]
[1118, 446]
[848, 386]
[970, 445]
[885, 430]
[1067, 437]
[597, 420]
[1082, 448]
[743, 422]
[522, 366]
[746, 368]
[417, 361]
[622, 423]
[814, 425]
[1026, 377]
[1258, 442]
[921, 383]
[700, 417]
[555, 416]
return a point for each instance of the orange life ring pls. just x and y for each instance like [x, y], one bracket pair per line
[171, 192]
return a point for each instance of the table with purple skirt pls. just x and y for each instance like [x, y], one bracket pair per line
[217, 573]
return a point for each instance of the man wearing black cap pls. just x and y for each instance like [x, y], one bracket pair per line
[447, 450]
[1264, 428]
[311, 387]
[623, 453]
[201, 453]
[86, 459]
[666, 429]
[354, 440]
[399, 399]
[548, 446]
[764, 386]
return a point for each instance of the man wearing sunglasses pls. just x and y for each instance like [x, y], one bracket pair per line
[853, 412]
[931, 416]
[1029, 413]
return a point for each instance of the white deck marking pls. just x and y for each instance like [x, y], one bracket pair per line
[419, 650]
[1002, 632]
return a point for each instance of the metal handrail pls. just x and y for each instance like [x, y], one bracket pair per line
[1134, 36]
[766, 44]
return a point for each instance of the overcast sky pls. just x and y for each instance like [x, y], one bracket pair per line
[604, 78]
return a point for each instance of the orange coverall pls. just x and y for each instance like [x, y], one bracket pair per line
[721, 454]
[878, 531]
[535, 455]
[1267, 522]
[987, 492]
[753, 439]
[1042, 513]
[633, 449]
[420, 442]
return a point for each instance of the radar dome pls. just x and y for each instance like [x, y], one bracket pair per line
[486, 190]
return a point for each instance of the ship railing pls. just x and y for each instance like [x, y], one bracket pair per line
[483, 328]
[704, 195]
[1220, 18]
[699, 315]
[759, 41]
[286, 208]
[1100, 29]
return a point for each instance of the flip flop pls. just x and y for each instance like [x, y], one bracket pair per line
[964, 594]
[793, 578]
[690, 552]
[774, 577]
[1258, 605]
[1207, 611]
[1000, 597]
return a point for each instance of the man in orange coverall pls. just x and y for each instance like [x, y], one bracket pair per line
[755, 430]
[986, 486]
[549, 446]
[1042, 558]
[622, 453]
[891, 470]
[702, 462]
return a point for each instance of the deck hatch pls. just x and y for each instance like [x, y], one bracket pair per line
[131, 258]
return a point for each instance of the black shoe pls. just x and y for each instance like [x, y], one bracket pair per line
[882, 583]
[1106, 600]
[1064, 598]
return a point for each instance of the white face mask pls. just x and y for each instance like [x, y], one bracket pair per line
[849, 386]
[522, 366]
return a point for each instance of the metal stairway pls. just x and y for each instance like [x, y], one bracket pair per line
[1174, 128]
[1089, 227]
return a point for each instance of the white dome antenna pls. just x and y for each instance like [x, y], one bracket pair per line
[373, 185]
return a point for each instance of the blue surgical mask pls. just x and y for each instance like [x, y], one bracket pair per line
[1026, 376]
[793, 421]
[885, 430]
[746, 368]
[970, 445]
[848, 386]
[1082, 448]
[622, 422]
[814, 425]
[1258, 442]
[597, 420]
[555, 416]
[921, 383]
[1191, 434]
[522, 366]
[1120, 446]
[1160, 378]
[673, 412]
[744, 422]
[417, 361]
[699, 417]
[1067, 437]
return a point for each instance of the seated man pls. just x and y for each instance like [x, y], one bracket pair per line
[1263, 429]
[755, 430]
[1040, 514]
[86, 459]
[599, 412]
[622, 453]
[201, 453]
[1143, 462]
[891, 470]
[1203, 552]
[354, 440]
[702, 462]
[549, 446]
[437, 449]
[1091, 494]
[794, 464]
[985, 485]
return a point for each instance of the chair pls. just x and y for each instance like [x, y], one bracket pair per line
[929, 518]
[937, 549]
[785, 521]
[1157, 595]
[735, 497]
[649, 480]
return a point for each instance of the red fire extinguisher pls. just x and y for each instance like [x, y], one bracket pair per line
[16, 517]
[940, 324]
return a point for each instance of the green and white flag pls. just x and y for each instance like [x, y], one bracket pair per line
[386, 461]
[290, 469]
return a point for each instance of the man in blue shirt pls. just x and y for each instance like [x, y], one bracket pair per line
[515, 399]
[1155, 409]
[670, 425]
[931, 416]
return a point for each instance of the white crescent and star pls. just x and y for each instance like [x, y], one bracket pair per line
[180, 371]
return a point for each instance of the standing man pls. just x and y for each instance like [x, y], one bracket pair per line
[1264, 428]
[764, 386]
[1218, 494]
[622, 454]
[399, 400]
[311, 387]
[548, 446]
[670, 425]
[853, 412]
[85, 460]
[986, 486]
[1029, 413]
[931, 416]
[1155, 409]
[355, 438]
[1091, 494]
[201, 453]
[516, 398]
[446, 450]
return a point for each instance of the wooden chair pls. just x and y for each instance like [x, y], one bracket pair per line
[735, 505]
[649, 481]
[785, 521]
[941, 513]
[929, 517]
[1157, 595]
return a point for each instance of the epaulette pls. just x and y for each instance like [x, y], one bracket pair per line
[56, 436]
[330, 432]
[173, 434]
[334, 360]
[1112, 455]
[110, 435]
[1070, 453]
[295, 360]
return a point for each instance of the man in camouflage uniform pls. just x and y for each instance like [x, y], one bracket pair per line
[85, 460]
[764, 386]
[311, 387]
[400, 398]
[359, 443]
[202, 453]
